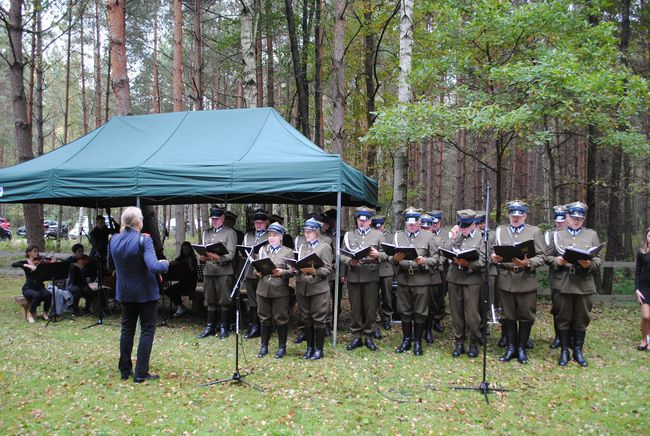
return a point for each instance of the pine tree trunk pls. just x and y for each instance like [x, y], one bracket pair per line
[177, 89]
[270, 94]
[156, 82]
[298, 72]
[248, 28]
[259, 69]
[22, 124]
[318, 77]
[120, 80]
[198, 56]
[338, 70]
[98, 69]
[84, 103]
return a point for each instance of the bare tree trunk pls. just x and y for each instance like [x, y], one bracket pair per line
[400, 169]
[298, 72]
[38, 99]
[369, 64]
[84, 103]
[156, 75]
[177, 89]
[270, 98]
[459, 196]
[198, 57]
[318, 77]
[66, 112]
[259, 71]
[248, 21]
[22, 124]
[338, 68]
[98, 69]
[116, 28]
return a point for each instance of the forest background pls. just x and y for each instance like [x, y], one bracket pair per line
[546, 100]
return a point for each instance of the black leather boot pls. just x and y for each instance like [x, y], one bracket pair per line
[417, 343]
[370, 344]
[564, 347]
[556, 341]
[223, 326]
[254, 329]
[459, 349]
[407, 334]
[377, 332]
[578, 342]
[210, 329]
[356, 343]
[428, 330]
[301, 337]
[309, 338]
[265, 334]
[503, 340]
[319, 342]
[282, 341]
[524, 335]
[510, 330]
[473, 350]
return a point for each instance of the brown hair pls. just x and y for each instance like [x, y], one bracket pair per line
[30, 248]
[645, 247]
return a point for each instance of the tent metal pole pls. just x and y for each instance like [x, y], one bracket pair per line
[338, 267]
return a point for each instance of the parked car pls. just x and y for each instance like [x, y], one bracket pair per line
[51, 227]
[5, 229]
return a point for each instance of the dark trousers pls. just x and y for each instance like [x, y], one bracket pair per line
[574, 311]
[130, 314]
[273, 310]
[363, 307]
[437, 301]
[385, 304]
[177, 290]
[36, 297]
[78, 292]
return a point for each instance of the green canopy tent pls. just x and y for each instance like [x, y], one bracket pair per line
[233, 156]
[225, 156]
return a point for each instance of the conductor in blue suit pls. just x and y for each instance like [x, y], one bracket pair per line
[136, 266]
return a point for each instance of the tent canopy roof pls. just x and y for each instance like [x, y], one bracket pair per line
[223, 156]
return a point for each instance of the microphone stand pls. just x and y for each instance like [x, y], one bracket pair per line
[237, 377]
[484, 387]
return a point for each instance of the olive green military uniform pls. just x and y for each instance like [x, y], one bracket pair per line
[273, 293]
[217, 275]
[464, 288]
[312, 291]
[363, 280]
[437, 303]
[386, 278]
[518, 286]
[413, 280]
[575, 285]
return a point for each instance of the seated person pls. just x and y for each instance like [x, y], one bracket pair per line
[34, 289]
[77, 284]
[183, 269]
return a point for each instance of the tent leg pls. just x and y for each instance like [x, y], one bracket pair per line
[338, 266]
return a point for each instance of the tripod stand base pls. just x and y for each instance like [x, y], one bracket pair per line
[96, 323]
[483, 388]
[237, 378]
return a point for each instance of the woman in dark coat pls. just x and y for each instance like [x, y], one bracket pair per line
[642, 286]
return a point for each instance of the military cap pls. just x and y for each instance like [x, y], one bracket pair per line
[577, 209]
[216, 212]
[412, 215]
[277, 228]
[465, 217]
[363, 213]
[378, 220]
[260, 215]
[277, 218]
[559, 214]
[426, 220]
[312, 224]
[480, 217]
[436, 215]
[517, 207]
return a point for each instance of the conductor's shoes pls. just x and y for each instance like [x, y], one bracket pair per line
[146, 377]
[126, 375]
[356, 343]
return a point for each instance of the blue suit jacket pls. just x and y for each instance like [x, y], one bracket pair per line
[136, 271]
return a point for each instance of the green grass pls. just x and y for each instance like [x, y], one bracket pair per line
[65, 379]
